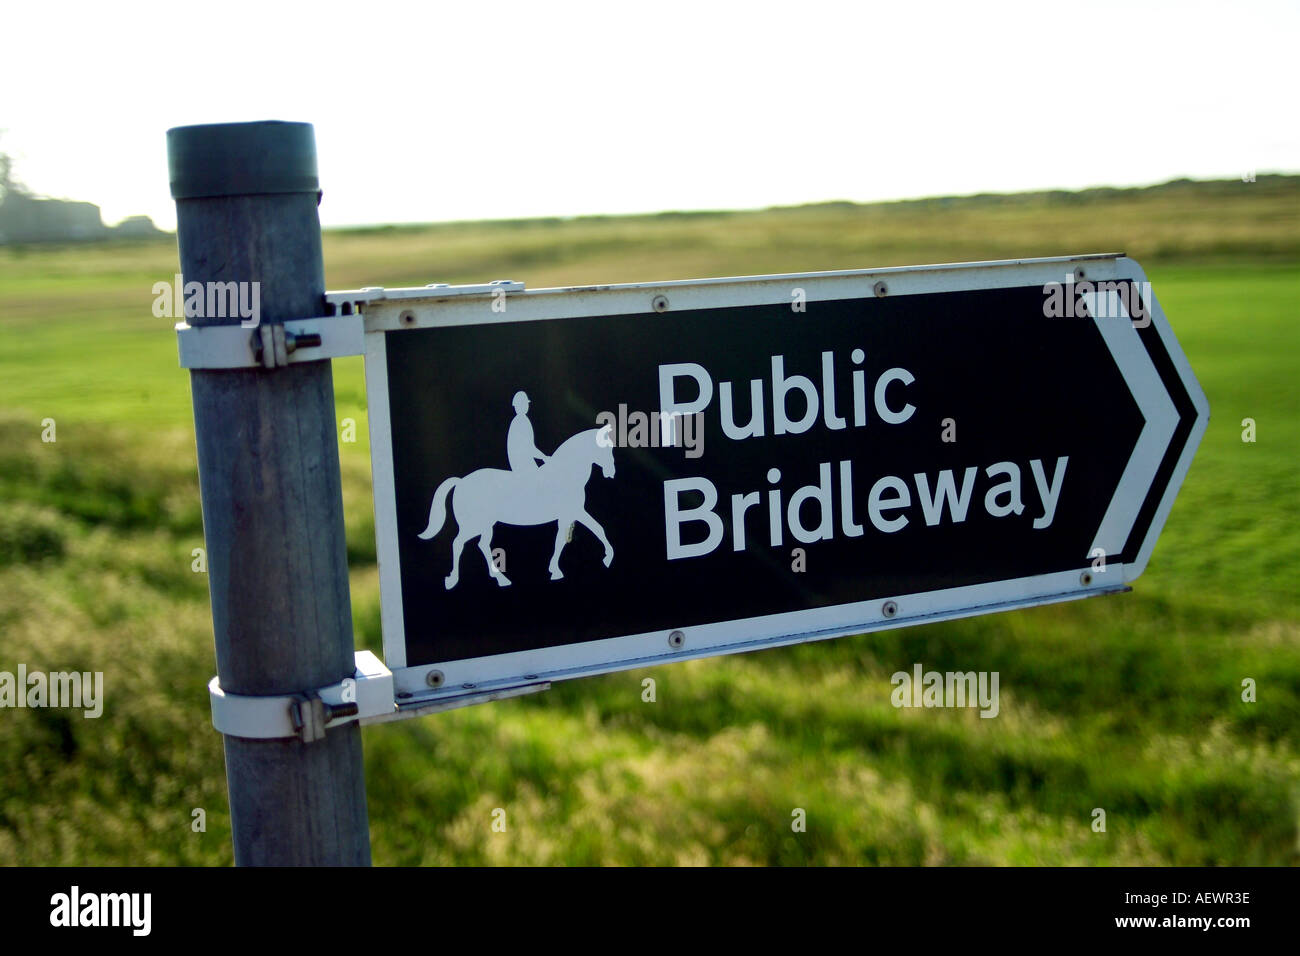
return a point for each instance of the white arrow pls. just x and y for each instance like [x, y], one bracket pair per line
[1157, 408]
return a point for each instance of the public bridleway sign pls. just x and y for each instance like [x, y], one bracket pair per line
[573, 481]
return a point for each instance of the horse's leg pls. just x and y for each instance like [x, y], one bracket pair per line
[562, 528]
[462, 536]
[594, 527]
[485, 545]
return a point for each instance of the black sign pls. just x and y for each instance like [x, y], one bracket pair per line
[570, 480]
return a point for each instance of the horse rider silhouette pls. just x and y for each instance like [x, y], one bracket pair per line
[526, 494]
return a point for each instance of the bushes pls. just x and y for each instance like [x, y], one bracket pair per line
[30, 533]
[96, 476]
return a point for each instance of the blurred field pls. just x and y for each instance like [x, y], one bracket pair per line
[1129, 703]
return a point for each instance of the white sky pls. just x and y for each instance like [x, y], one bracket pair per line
[434, 111]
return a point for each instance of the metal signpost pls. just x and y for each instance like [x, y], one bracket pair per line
[246, 198]
[575, 481]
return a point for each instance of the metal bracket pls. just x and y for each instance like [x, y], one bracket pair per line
[419, 706]
[353, 300]
[339, 335]
[366, 697]
[270, 345]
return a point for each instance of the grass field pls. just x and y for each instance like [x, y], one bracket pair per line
[1131, 704]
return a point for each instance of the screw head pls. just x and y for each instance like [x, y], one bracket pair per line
[1085, 578]
[880, 289]
[407, 318]
[435, 678]
[659, 303]
[1080, 274]
[676, 639]
[889, 608]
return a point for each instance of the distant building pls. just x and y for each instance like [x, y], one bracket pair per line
[24, 218]
[136, 227]
[27, 218]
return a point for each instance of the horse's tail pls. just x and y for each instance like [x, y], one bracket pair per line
[438, 510]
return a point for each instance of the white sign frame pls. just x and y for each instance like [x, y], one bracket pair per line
[398, 310]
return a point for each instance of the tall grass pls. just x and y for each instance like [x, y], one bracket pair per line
[1130, 704]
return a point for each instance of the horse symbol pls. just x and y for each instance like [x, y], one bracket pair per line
[554, 492]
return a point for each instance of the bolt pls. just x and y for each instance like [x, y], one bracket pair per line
[659, 303]
[408, 318]
[676, 639]
[889, 608]
[302, 340]
[1085, 578]
[337, 711]
[435, 678]
[880, 289]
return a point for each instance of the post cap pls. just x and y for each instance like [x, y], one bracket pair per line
[242, 159]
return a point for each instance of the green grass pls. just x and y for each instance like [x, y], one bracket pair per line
[1129, 703]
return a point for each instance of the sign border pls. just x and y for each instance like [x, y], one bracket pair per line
[434, 309]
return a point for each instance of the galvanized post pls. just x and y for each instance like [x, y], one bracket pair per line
[246, 197]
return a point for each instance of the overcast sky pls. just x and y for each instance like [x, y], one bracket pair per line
[471, 110]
